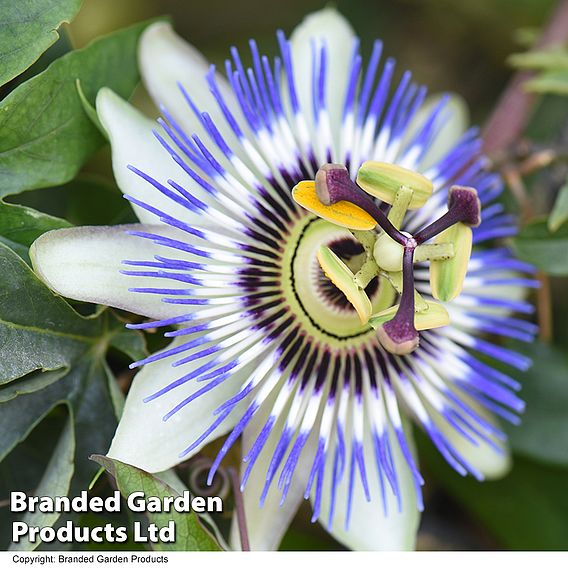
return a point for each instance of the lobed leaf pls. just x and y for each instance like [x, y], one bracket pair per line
[46, 134]
[190, 533]
[51, 356]
[28, 28]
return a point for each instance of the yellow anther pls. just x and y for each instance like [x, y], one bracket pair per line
[383, 180]
[435, 315]
[447, 276]
[342, 213]
[336, 270]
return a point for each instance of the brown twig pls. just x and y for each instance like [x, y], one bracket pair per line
[537, 161]
[513, 178]
[504, 128]
[240, 510]
[544, 308]
[510, 117]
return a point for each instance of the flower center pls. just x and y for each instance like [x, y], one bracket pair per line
[323, 307]
[387, 251]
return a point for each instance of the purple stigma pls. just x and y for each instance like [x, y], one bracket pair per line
[465, 201]
[463, 207]
[333, 184]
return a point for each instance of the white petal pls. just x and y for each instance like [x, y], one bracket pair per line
[267, 525]
[491, 463]
[369, 528]
[165, 60]
[133, 143]
[329, 26]
[144, 440]
[84, 263]
[456, 123]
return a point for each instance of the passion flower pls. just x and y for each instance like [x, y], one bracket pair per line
[272, 306]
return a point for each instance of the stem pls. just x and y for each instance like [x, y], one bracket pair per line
[361, 199]
[399, 335]
[406, 305]
[240, 511]
[451, 217]
[544, 308]
[512, 112]
[334, 184]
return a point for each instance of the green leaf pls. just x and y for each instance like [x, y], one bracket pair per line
[524, 511]
[57, 50]
[90, 110]
[543, 433]
[23, 469]
[556, 58]
[131, 344]
[546, 250]
[46, 134]
[28, 29]
[554, 82]
[190, 533]
[55, 481]
[559, 214]
[32, 382]
[52, 356]
[21, 226]
[87, 200]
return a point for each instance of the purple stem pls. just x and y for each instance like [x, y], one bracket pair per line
[398, 335]
[451, 217]
[406, 305]
[240, 511]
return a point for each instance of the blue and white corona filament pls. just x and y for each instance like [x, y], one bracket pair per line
[265, 347]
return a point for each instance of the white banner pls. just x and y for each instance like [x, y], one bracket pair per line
[283, 559]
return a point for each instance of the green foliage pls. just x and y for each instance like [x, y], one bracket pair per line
[190, 533]
[551, 66]
[543, 433]
[553, 82]
[547, 251]
[51, 356]
[28, 29]
[87, 200]
[21, 226]
[559, 214]
[556, 58]
[524, 511]
[55, 481]
[46, 134]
